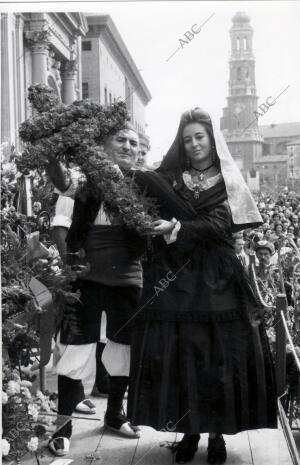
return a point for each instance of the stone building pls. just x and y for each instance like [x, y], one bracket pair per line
[277, 137]
[109, 73]
[266, 149]
[273, 170]
[37, 48]
[48, 48]
[238, 122]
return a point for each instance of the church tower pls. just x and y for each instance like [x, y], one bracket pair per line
[239, 120]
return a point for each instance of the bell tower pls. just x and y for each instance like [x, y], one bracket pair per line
[239, 121]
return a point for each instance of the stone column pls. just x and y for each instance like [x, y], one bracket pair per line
[39, 42]
[5, 93]
[68, 76]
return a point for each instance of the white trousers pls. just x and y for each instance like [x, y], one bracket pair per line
[79, 361]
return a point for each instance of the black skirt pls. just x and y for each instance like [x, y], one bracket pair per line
[198, 377]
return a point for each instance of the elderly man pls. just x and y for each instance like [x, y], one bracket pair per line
[264, 251]
[113, 284]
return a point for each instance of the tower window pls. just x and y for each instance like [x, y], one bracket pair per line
[86, 46]
[238, 74]
[85, 90]
[238, 45]
[105, 96]
[110, 99]
[245, 43]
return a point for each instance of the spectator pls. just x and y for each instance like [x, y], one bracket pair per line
[239, 244]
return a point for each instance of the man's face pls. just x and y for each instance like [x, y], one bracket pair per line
[285, 225]
[264, 256]
[238, 245]
[123, 148]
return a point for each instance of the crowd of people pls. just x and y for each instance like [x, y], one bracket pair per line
[275, 245]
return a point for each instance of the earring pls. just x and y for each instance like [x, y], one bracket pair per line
[188, 163]
[213, 155]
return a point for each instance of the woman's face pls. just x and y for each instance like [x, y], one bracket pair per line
[268, 233]
[196, 142]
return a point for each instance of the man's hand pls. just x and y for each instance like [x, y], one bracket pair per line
[58, 175]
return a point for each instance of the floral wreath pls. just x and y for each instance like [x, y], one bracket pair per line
[73, 134]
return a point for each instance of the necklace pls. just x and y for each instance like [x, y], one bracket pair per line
[201, 176]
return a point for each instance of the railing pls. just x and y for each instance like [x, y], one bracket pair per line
[288, 398]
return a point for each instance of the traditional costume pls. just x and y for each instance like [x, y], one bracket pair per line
[200, 360]
[112, 285]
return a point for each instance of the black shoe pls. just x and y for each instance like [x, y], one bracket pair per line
[187, 448]
[216, 451]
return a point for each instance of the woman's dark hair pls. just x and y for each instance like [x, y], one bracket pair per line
[176, 159]
[197, 115]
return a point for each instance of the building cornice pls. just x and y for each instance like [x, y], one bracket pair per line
[107, 29]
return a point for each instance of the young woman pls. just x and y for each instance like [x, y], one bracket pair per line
[200, 360]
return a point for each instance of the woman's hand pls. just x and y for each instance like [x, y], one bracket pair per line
[162, 227]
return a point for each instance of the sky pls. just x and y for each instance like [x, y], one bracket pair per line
[197, 74]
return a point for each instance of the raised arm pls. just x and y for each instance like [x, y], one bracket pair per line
[59, 175]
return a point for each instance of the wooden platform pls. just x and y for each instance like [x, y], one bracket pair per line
[93, 444]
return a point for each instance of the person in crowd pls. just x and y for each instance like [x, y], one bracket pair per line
[285, 225]
[200, 359]
[239, 249]
[36, 209]
[268, 273]
[295, 223]
[264, 251]
[278, 229]
[269, 235]
[112, 283]
[291, 231]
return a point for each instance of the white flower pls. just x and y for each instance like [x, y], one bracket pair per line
[5, 447]
[12, 388]
[33, 411]
[33, 444]
[26, 383]
[26, 393]
[4, 398]
[45, 407]
[40, 395]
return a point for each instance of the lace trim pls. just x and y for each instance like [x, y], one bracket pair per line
[200, 185]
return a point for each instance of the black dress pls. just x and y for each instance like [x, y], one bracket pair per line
[200, 360]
